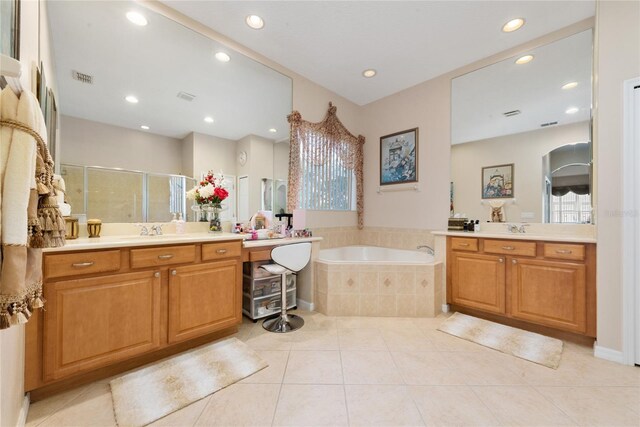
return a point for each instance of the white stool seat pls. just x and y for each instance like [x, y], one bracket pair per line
[275, 269]
[288, 259]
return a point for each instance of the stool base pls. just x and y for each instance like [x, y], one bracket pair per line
[283, 323]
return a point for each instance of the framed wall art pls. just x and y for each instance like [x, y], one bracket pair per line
[497, 182]
[399, 157]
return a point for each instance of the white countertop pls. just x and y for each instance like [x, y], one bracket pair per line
[277, 242]
[518, 236]
[86, 243]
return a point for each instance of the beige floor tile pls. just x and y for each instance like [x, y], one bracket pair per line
[264, 340]
[361, 339]
[272, 374]
[381, 405]
[315, 340]
[369, 367]
[429, 323]
[426, 368]
[241, 404]
[446, 342]
[43, 409]
[597, 406]
[319, 322]
[357, 322]
[407, 340]
[521, 406]
[93, 408]
[314, 367]
[186, 416]
[395, 324]
[484, 368]
[451, 406]
[311, 405]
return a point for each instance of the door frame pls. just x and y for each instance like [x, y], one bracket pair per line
[631, 227]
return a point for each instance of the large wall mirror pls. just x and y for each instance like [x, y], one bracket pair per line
[147, 109]
[522, 128]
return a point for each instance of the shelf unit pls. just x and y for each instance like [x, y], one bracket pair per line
[261, 291]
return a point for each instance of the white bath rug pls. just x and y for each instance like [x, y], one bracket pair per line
[523, 344]
[143, 396]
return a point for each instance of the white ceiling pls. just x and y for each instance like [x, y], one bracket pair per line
[407, 42]
[480, 98]
[154, 63]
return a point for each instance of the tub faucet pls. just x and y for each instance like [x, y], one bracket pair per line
[429, 249]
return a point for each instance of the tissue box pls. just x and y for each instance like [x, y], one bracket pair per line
[456, 224]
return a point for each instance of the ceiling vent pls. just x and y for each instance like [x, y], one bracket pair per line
[82, 77]
[544, 125]
[186, 96]
[511, 113]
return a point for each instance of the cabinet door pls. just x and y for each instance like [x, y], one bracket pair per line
[89, 323]
[549, 293]
[204, 298]
[478, 281]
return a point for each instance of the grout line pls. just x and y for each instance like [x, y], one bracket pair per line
[275, 410]
[556, 406]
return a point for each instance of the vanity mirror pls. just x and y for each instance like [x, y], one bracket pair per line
[147, 103]
[533, 111]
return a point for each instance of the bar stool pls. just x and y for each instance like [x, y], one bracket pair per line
[288, 259]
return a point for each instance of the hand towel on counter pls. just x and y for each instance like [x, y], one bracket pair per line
[29, 216]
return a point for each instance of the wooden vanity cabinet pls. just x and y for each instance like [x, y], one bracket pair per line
[546, 283]
[107, 308]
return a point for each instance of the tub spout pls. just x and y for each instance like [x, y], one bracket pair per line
[430, 250]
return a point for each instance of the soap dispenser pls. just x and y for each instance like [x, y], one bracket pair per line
[180, 224]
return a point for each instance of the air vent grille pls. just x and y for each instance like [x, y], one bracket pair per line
[511, 113]
[82, 77]
[544, 125]
[186, 96]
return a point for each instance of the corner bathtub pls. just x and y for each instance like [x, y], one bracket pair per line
[374, 281]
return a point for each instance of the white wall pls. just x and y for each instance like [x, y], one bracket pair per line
[525, 150]
[89, 143]
[213, 153]
[617, 59]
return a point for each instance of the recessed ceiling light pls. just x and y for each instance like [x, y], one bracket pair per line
[572, 110]
[208, 119]
[145, 127]
[570, 85]
[524, 59]
[222, 57]
[514, 24]
[137, 18]
[132, 99]
[369, 73]
[255, 22]
[273, 130]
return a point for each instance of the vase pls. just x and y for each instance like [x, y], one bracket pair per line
[215, 224]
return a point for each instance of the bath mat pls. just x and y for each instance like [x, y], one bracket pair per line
[525, 345]
[143, 396]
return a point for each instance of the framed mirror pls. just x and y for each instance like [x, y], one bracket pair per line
[531, 111]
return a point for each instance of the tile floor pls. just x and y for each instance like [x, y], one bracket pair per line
[386, 372]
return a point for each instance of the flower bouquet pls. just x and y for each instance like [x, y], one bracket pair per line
[208, 195]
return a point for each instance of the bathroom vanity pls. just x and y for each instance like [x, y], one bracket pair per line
[542, 280]
[111, 300]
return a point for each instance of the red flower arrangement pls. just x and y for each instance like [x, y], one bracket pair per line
[209, 191]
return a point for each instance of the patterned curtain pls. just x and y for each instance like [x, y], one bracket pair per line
[327, 143]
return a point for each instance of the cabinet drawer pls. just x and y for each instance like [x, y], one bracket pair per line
[261, 255]
[154, 257]
[510, 247]
[464, 244]
[221, 250]
[75, 264]
[564, 251]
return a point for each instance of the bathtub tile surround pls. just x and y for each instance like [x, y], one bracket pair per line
[381, 289]
[387, 237]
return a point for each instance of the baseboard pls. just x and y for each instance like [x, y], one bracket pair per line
[445, 308]
[305, 305]
[608, 354]
[24, 411]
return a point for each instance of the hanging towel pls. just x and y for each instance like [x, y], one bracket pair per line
[29, 217]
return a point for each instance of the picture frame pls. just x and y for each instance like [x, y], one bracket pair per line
[10, 27]
[498, 182]
[399, 157]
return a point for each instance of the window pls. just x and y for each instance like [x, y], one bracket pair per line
[571, 208]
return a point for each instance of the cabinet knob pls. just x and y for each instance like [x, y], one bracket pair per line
[500, 259]
[174, 272]
[156, 274]
[513, 261]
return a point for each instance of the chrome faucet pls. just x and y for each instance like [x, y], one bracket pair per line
[429, 249]
[156, 230]
[144, 231]
[514, 228]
